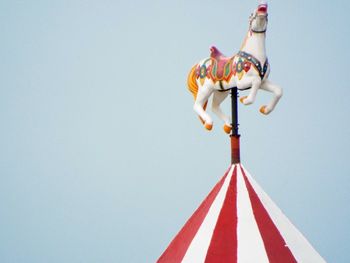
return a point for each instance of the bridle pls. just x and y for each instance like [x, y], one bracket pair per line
[251, 18]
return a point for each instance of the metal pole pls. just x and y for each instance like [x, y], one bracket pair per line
[235, 149]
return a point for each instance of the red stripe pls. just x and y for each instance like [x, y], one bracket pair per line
[275, 246]
[178, 247]
[223, 245]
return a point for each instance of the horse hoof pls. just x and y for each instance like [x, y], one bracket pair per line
[263, 110]
[227, 129]
[242, 99]
[208, 126]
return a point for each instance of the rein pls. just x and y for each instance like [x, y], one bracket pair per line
[258, 32]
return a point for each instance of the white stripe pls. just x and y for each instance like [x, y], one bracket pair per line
[301, 249]
[198, 248]
[251, 247]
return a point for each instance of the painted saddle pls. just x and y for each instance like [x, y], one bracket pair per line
[221, 65]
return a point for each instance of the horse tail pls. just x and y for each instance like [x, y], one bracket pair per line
[193, 86]
[192, 83]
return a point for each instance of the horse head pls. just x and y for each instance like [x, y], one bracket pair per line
[258, 19]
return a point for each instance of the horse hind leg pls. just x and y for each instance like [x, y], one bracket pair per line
[202, 97]
[277, 94]
[218, 98]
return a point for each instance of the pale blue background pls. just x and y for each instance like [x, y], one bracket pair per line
[102, 158]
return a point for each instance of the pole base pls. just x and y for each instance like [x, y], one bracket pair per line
[235, 150]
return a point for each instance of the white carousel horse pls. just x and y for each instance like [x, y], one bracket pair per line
[248, 69]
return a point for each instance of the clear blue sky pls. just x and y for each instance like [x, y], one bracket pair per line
[102, 158]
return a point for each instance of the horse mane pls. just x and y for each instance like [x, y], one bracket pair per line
[244, 41]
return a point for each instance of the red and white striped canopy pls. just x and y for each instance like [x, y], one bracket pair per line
[238, 222]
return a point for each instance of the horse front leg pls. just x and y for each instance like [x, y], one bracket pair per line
[218, 98]
[203, 95]
[277, 94]
[254, 84]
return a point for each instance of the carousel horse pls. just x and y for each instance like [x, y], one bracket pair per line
[247, 70]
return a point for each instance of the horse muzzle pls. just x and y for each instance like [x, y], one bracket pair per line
[262, 9]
